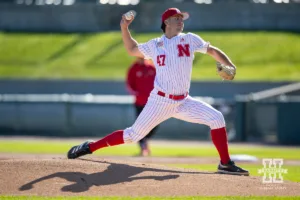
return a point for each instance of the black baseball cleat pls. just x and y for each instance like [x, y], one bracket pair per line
[80, 150]
[231, 168]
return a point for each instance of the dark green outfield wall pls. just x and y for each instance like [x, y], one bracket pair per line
[90, 17]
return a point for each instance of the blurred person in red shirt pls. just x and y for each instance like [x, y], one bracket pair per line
[140, 82]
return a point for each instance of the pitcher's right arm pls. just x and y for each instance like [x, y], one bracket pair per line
[130, 44]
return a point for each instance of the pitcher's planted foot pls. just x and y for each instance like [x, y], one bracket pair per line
[231, 168]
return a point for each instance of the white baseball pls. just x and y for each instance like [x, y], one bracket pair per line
[130, 14]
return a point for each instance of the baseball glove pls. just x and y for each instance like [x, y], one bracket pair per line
[225, 72]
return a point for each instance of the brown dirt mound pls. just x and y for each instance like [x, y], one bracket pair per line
[98, 177]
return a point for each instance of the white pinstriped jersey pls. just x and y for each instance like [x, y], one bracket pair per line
[173, 59]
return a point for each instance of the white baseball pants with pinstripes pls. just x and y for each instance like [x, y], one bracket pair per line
[159, 109]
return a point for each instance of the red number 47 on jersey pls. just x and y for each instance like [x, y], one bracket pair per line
[161, 60]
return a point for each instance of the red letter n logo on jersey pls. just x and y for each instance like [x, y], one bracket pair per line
[183, 50]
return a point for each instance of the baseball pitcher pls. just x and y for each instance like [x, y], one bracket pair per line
[173, 55]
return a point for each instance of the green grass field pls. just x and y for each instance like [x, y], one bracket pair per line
[55, 147]
[258, 55]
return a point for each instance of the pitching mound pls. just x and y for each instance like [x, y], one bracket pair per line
[98, 177]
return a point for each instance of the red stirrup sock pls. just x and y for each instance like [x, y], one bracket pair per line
[219, 138]
[112, 139]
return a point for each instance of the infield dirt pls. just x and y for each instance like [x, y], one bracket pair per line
[95, 176]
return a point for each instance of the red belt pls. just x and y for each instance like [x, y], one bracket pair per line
[171, 96]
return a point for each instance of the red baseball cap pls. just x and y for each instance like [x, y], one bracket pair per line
[174, 11]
